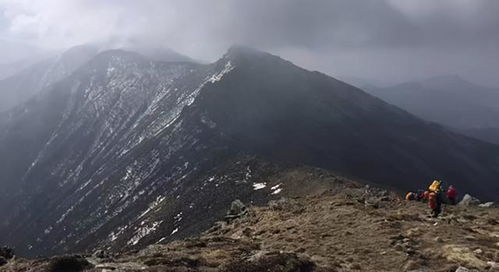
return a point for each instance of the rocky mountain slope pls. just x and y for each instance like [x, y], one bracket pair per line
[128, 151]
[29, 81]
[334, 225]
[450, 101]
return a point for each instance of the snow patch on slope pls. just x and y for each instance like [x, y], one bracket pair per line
[259, 186]
[143, 232]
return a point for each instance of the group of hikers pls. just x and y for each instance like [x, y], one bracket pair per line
[436, 195]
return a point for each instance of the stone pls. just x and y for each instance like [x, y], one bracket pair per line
[411, 265]
[468, 200]
[462, 269]
[372, 202]
[462, 256]
[487, 205]
[399, 247]
[494, 266]
[410, 251]
[237, 209]
[438, 239]
[470, 237]
[414, 232]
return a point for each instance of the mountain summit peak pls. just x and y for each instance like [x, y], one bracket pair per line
[239, 52]
[244, 55]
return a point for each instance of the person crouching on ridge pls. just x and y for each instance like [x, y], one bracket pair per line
[435, 198]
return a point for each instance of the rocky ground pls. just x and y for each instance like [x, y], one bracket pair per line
[355, 228]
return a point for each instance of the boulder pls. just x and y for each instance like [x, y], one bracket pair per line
[494, 266]
[468, 200]
[237, 209]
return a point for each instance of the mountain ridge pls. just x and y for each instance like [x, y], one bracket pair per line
[318, 221]
[128, 144]
[449, 100]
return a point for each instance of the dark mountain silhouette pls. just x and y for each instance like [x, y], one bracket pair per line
[126, 149]
[450, 101]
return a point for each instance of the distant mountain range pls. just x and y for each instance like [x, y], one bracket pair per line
[125, 150]
[450, 101]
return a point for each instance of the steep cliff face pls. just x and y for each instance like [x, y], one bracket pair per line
[127, 151]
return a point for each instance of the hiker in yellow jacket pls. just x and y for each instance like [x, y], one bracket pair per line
[435, 198]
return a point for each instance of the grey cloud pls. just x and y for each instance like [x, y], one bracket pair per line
[389, 40]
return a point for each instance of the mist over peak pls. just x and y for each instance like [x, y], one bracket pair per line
[408, 41]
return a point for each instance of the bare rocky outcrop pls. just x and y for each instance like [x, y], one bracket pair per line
[469, 200]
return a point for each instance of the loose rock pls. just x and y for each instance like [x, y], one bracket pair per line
[468, 200]
[237, 209]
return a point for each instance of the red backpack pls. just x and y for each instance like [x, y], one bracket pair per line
[451, 192]
[432, 200]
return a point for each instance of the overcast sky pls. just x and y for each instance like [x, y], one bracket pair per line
[379, 40]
